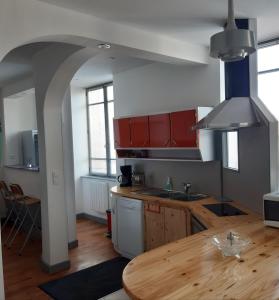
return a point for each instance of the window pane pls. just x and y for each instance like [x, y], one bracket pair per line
[96, 96]
[97, 131]
[111, 135]
[113, 167]
[98, 166]
[110, 94]
[232, 149]
[268, 58]
[269, 92]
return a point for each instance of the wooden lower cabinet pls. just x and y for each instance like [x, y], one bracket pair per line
[164, 224]
[154, 225]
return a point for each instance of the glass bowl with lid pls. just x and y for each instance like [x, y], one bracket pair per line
[230, 243]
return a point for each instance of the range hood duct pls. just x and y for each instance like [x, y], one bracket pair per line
[232, 44]
[239, 110]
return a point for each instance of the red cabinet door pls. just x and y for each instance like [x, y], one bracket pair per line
[182, 134]
[159, 130]
[122, 134]
[139, 132]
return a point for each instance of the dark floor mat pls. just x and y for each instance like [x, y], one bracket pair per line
[88, 284]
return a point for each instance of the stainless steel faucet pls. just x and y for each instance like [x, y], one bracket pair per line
[187, 187]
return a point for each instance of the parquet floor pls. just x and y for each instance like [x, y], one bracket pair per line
[22, 274]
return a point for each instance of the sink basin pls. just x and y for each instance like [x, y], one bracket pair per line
[180, 196]
[185, 197]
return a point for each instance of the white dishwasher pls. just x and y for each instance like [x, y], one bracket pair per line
[130, 227]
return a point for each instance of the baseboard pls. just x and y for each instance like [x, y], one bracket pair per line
[73, 244]
[90, 217]
[64, 265]
[80, 216]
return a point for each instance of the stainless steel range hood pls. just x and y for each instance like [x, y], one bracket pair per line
[231, 114]
[239, 110]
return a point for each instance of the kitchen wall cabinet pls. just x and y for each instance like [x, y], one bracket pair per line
[164, 225]
[164, 136]
[182, 134]
[159, 130]
[122, 134]
[139, 128]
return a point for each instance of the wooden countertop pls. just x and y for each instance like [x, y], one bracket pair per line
[192, 268]
[206, 217]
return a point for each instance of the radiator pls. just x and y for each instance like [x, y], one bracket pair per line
[96, 196]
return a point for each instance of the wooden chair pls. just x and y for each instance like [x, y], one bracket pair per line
[10, 202]
[27, 202]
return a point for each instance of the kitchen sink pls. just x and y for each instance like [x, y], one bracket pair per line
[187, 197]
[180, 196]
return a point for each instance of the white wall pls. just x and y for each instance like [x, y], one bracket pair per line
[80, 142]
[148, 89]
[19, 115]
[28, 180]
[69, 166]
[163, 87]
[35, 24]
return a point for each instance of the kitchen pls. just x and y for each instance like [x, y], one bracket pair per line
[145, 218]
[193, 142]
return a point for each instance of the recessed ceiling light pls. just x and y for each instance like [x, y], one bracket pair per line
[104, 46]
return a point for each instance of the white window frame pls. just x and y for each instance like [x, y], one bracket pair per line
[108, 156]
[226, 152]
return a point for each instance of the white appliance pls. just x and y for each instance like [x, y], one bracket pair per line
[127, 226]
[271, 209]
[30, 148]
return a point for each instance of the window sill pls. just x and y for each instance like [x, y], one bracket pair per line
[231, 169]
[103, 178]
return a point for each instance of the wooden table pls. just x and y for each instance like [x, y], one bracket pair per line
[192, 268]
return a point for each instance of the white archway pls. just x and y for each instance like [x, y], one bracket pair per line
[54, 68]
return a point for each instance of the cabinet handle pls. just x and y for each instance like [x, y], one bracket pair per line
[155, 208]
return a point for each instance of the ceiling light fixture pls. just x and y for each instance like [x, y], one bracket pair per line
[104, 46]
[232, 44]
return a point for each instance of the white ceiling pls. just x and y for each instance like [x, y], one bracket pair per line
[191, 20]
[17, 63]
[101, 68]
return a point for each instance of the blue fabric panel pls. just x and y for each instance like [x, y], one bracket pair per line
[237, 83]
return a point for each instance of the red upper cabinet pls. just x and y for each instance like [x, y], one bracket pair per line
[139, 132]
[159, 130]
[182, 134]
[122, 134]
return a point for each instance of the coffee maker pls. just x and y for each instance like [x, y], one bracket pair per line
[126, 178]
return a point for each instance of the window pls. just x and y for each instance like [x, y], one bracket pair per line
[231, 150]
[230, 138]
[100, 105]
[268, 76]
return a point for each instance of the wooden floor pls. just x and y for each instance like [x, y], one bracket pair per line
[22, 274]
